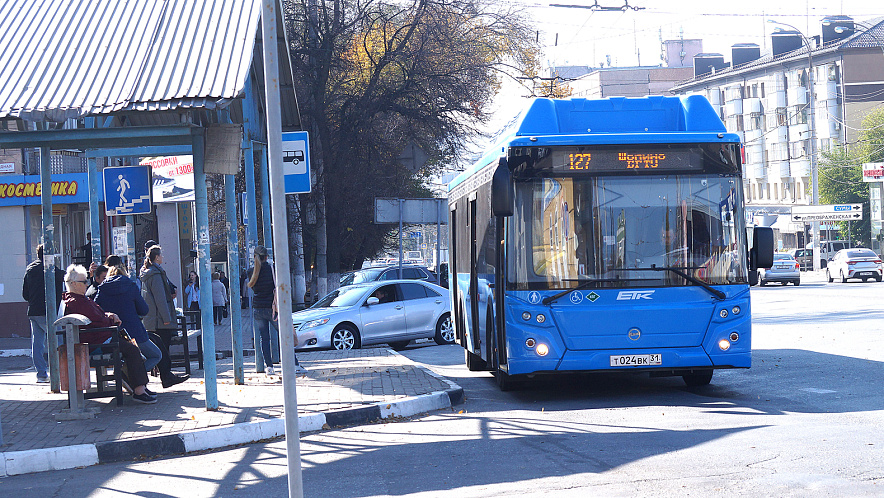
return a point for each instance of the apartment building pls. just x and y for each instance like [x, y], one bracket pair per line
[766, 99]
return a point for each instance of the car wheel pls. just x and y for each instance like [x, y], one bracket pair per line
[843, 278]
[797, 283]
[474, 362]
[444, 330]
[399, 345]
[697, 379]
[878, 278]
[829, 276]
[865, 279]
[762, 282]
[345, 337]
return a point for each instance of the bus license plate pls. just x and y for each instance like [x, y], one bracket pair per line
[636, 360]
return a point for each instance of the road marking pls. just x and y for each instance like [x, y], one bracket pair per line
[815, 390]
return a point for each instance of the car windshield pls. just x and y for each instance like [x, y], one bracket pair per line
[780, 256]
[861, 253]
[613, 230]
[361, 276]
[342, 297]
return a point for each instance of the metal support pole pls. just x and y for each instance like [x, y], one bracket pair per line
[205, 272]
[130, 243]
[233, 269]
[266, 228]
[49, 268]
[94, 213]
[399, 275]
[251, 242]
[438, 239]
[268, 237]
[280, 241]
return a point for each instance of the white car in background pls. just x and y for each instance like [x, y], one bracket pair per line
[854, 263]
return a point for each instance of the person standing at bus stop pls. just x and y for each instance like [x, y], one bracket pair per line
[265, 313]
[34, 292]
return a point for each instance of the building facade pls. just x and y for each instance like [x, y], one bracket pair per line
[766, 99]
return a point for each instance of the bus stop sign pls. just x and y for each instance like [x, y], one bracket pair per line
[296, 162]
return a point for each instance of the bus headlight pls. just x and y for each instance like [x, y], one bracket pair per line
[542, 349]
[724, 344]
[541, 318]
[722, 313]
[735, 310]
[526, 315]
[530, 342]
[735, 337]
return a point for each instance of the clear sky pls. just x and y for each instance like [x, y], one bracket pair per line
[573, 36]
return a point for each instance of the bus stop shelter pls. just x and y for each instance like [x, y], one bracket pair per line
[120, 79]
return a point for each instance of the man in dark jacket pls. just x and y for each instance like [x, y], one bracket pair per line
[34, 292]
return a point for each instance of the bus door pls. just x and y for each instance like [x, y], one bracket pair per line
[473, 294]
[499, 329]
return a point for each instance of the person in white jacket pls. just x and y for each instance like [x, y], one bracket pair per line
[219, 297]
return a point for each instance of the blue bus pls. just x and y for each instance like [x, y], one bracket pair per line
[605, 235]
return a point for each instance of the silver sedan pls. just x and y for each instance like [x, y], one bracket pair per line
[392, 312]
[784, 270]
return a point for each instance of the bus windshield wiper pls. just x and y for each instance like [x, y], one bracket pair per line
[584, 283]
[678, 271]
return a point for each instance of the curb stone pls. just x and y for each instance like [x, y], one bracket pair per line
[84, 455]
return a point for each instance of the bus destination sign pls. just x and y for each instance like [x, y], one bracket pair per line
[583, 160]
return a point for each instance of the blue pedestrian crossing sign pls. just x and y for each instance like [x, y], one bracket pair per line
[296, 162]
[127, 190]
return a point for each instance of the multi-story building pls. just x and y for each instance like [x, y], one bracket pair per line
[766, 99]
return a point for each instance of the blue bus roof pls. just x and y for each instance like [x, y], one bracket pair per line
[614, 120]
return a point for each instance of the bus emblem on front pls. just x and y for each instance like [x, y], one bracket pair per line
[634, 295]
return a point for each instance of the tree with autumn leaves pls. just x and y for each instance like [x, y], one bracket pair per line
[374, 76]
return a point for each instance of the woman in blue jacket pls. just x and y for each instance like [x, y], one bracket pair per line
[118, 294]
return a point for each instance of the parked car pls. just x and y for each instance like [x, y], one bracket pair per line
[391, 312]
[803, 257]
[784, 270]
[854, 263]
[409, 272]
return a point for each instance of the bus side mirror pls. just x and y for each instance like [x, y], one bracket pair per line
[502, 190]
[761, 255]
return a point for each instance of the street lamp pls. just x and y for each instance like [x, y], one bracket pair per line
[814, 178]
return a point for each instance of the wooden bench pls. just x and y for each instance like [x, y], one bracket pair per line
[107, 362]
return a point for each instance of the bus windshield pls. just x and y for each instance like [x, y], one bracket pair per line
[619, 231]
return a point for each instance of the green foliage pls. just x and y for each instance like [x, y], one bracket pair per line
[840, 174]
[841, 183]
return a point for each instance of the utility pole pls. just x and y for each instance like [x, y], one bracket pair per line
[280, 243]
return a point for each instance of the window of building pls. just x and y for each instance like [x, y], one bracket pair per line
[762, 89]
[767, 191]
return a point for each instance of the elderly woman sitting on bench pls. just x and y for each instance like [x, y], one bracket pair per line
[76, 302]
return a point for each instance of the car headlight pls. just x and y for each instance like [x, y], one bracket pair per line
[314, 323]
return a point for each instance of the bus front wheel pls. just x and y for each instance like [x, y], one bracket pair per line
[697, 379]
[507, 382]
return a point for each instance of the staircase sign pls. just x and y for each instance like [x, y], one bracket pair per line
[827, 212]
[296, 162]
[127, 190]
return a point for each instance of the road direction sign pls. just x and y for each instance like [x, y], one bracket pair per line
[827, 212]
[127, 190]
[296, 162]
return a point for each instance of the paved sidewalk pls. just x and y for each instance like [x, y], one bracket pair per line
[341, 388]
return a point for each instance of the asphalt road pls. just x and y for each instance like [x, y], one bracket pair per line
[804, 421]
